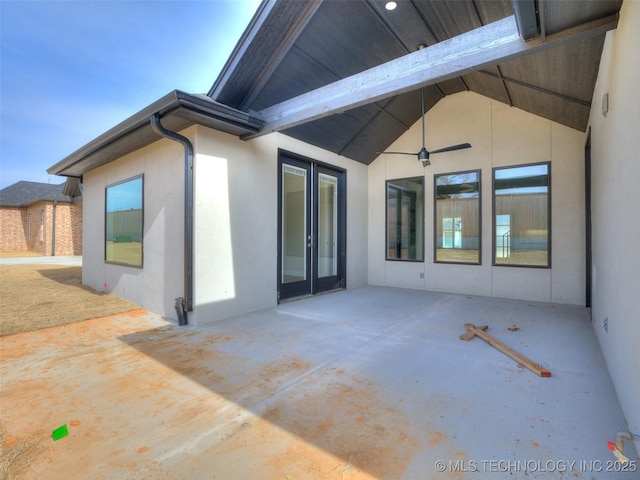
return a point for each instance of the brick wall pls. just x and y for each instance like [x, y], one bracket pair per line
[68, 229]
[12, 229]
[36, 232]
[31, 228]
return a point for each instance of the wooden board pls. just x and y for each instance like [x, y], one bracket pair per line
[473, 331]
[469, 334]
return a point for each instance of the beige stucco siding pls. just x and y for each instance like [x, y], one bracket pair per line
[615, 156]
[236, 221]
[160, 281]
[500, 136]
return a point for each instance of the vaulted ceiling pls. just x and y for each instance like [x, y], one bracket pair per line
[297, 55]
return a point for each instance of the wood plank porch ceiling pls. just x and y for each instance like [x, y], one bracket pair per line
[346, 75]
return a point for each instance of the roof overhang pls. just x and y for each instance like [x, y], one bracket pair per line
[348, 76]
[178, 110]
[478, 49]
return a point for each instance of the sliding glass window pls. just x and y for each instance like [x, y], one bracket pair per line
[405, 219]
[522, 215]
[457, 217]
[123, 222]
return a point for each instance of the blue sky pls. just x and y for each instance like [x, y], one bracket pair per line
[71, 70]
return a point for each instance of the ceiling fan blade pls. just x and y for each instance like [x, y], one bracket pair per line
[423, 154]
[461, 146]
[398, 153]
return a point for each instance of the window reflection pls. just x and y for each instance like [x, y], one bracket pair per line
[457, 228]
[123, 222]
[522, 216]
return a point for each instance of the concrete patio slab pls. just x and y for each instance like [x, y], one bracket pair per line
[365, 383]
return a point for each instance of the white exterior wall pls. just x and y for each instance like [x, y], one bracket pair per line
[160, 281]
[500, 136]
[615, 157]
[236, 221]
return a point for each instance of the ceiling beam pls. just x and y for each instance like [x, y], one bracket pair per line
[474, 50]
[526, 18]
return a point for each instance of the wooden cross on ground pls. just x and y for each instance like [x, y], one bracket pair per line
[473, 331]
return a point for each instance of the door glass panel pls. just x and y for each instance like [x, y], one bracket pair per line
[327, 236]
[294, 224]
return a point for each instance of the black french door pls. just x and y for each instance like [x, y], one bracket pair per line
[311, 227]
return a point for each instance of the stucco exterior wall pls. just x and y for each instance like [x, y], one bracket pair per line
[160, 280]
[236, 221]
[615, 160]
[500, 136]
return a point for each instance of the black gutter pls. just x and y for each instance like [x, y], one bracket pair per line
[177, 106]
[183, 304]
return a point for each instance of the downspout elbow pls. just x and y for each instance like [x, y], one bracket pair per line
[183, 304]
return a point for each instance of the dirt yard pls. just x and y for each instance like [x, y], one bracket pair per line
[34, 297]
[41, 296]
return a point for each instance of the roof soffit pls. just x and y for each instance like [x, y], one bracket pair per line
[461, 55]
[342, 39]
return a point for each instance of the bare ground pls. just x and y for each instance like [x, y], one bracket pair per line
[42, 296]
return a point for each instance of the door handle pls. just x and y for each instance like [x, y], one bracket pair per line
[310, 241]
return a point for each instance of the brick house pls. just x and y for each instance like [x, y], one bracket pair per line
[41, 218]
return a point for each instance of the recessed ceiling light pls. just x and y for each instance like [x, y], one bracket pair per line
[390, 5]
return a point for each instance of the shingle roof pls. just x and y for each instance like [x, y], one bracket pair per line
[23, 193]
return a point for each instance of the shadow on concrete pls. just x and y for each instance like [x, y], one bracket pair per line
[379, 379]
[302, 374]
